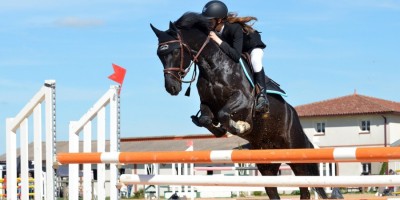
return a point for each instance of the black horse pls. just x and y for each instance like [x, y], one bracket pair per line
[227, 97]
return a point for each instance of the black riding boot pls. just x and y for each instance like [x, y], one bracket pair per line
[262, 100]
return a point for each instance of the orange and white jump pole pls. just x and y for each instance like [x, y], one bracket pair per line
[345, 154]
[262, 181]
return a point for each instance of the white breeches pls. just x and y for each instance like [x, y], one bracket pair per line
[256, 57]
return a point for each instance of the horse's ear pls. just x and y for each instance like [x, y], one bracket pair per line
[156, 31]
[172, 27]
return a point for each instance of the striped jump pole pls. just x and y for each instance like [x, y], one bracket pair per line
[224, 168]
[346, 154]
[263, 181]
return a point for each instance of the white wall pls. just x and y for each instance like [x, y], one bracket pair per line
[393, 128]
[345, 131]
[349, 169]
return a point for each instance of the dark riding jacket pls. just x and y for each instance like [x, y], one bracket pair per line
[235, 41]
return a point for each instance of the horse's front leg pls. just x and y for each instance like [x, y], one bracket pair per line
[207, 120]
[237, 103]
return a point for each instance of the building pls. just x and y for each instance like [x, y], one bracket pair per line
[352, 121]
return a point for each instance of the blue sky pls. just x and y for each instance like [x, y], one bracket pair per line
[317, 50]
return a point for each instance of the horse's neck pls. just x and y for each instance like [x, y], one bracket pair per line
[214, 57]
[211, 57]
[208, 62]
[206, 59]
[195, 40]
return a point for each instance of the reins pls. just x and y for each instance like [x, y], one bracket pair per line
[181, 70]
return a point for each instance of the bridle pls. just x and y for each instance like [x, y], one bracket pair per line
[181, 70]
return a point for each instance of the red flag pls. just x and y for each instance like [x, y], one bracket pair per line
[189, 143]
[119, 74]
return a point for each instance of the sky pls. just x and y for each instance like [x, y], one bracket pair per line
[316, 50]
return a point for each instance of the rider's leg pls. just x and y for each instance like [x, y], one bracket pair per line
[259, 76]
[262, 100]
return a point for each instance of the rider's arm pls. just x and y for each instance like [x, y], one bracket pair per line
[234, 51]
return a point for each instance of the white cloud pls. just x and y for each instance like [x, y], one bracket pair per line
[77, 22]
[394, 5]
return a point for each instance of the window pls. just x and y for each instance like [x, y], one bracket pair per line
[150, 169]
[242, 169]
[328, 169]
[321, 127]
[365, 125]
[366, 167]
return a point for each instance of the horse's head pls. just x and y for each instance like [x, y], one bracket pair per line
[175, 53]
[175, 57]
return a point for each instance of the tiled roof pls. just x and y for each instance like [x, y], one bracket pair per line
[179, 143]
[354, 104]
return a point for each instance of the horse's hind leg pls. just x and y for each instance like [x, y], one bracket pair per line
[307, 170]
[270, 170]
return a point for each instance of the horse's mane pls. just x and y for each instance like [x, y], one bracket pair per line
[191, 20]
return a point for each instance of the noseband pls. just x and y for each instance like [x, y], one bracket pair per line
[181, 70]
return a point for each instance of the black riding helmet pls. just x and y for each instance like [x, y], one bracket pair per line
[215, 9]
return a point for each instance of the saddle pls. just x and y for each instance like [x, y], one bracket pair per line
[272, 86]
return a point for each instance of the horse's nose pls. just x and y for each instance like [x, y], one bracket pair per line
[174, 90]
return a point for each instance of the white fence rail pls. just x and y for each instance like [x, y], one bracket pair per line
[20, 124]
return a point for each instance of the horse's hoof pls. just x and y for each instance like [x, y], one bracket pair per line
[219, 134]
[205, 120]
[195, 121]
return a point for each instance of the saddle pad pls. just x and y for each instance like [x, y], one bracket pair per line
[272, 86]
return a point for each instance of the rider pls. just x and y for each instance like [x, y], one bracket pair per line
[234, 36]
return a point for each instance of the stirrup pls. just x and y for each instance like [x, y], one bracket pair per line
[262, 106]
